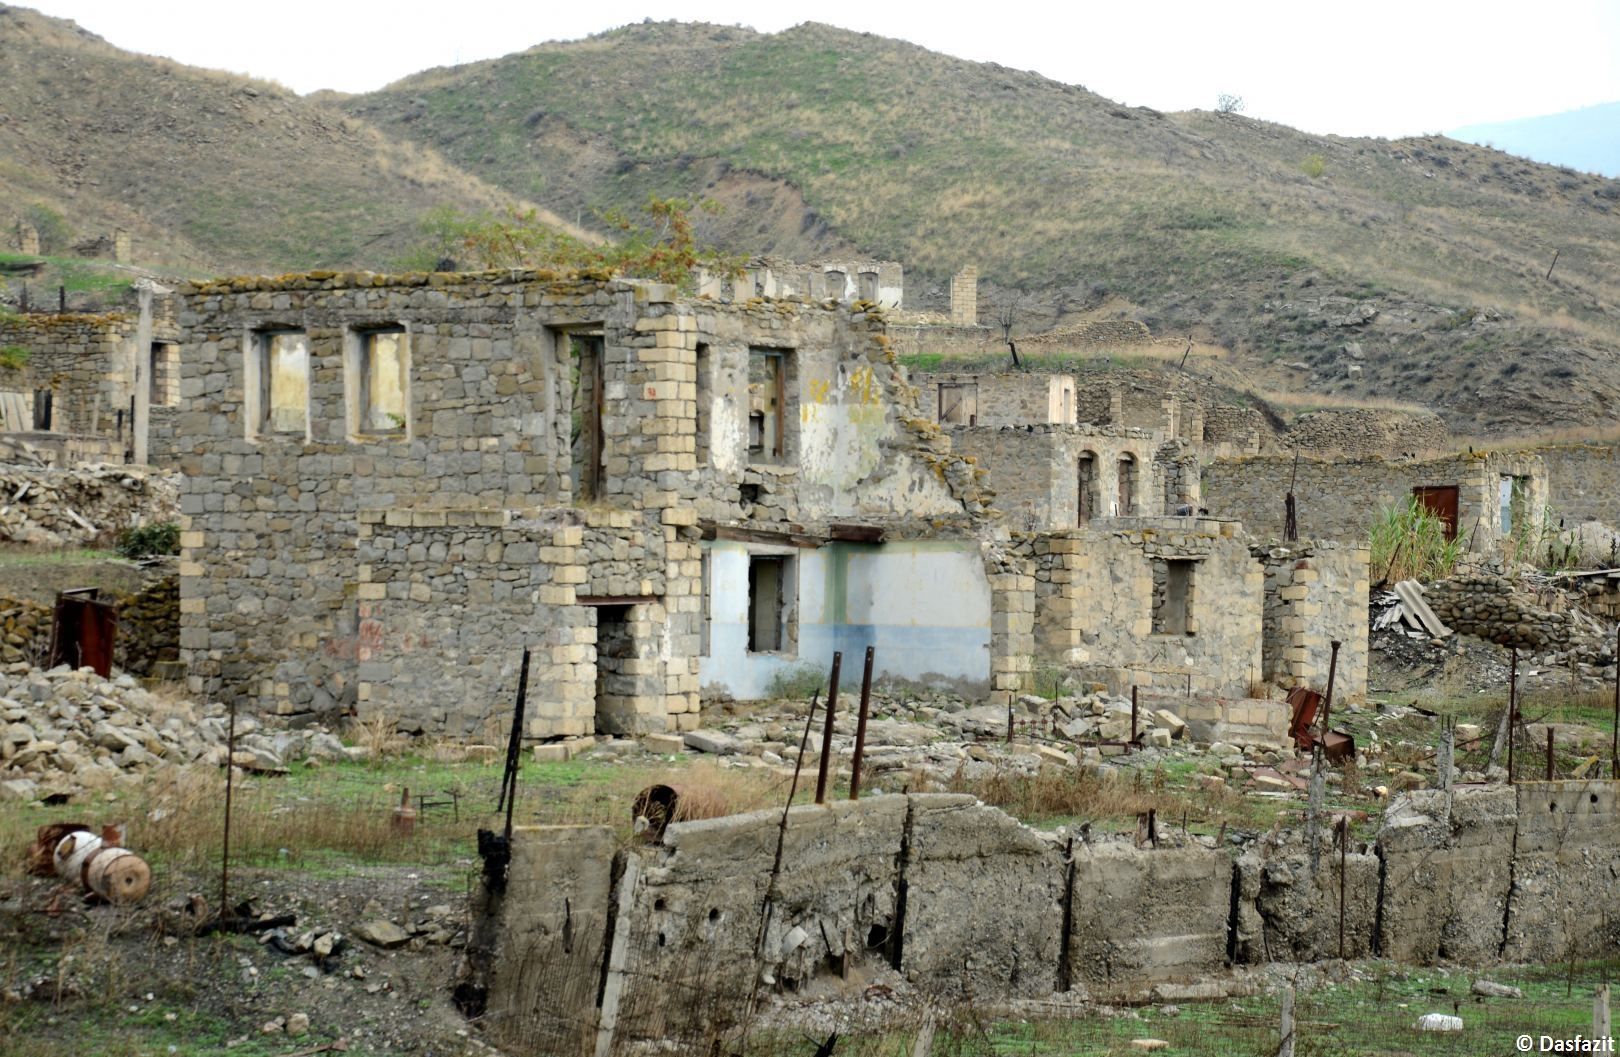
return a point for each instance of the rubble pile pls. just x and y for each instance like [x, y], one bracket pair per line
[65, 732]
[74, 506]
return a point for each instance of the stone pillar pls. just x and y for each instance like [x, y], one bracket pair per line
[1172, 417]
[121, 246]
[1012, 633]
[1116, 407]
[27, 237]
[965, 297]
[1195, 425]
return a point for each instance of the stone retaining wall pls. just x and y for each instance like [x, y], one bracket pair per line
[666, 941]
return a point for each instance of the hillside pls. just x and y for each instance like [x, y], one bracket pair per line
[1425, 259]
[1584, 139]
[207, 171]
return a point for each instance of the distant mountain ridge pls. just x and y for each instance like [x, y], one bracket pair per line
[1331, 268]
[1587, 139]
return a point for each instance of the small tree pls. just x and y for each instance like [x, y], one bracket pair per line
[53, 229]
[1226, 103]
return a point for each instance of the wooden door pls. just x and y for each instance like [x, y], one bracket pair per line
[1441, 501]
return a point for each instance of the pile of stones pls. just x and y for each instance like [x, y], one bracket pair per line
[66, 732]
[59, 507]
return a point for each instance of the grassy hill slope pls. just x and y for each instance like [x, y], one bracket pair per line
[208, 171]
[1254, 235]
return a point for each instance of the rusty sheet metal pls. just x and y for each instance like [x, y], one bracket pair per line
[84, 630]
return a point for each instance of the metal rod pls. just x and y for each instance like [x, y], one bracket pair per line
[514, 743]
[1333, 671]
[1344, 851]
[1513, 703]
[225, 854]
[1614, 738]
[1133, 713]
[860, 728]
[825, 762]
[1549, 752]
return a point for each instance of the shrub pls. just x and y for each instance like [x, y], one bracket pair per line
[1313, 166]
[145, 541]
[1409, 543]
[13, 357]
[53, 229]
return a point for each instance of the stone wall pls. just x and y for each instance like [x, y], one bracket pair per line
[1339, 499]
[998, 399]
[577, 940]
[1100, 607]
[90, 365]
[1315, 593]
[1362, 431]
[1036, 471]
[1495, 608]
[881, 283]
[1583, 481]
[335, 567]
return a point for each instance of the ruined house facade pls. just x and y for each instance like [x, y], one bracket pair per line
[393, 485]
[92, 387]
[880, 283]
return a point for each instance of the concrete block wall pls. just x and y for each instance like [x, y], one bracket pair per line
[666, 941]
[1315, 593]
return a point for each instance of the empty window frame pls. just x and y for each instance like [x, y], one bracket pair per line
[380, 381]
[869, 286]
[585, 439]
[1125, 504]
[958, 404]
[770, 603]
[837, 285]
[1086, 481]
[278, 382]
[705, 395]
[769, 407]
[163, 374]
[1513, 496]
[42, 408]
[1173, 596]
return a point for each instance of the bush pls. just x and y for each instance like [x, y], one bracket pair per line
[1313, 166]
[13, 357]
[1409, 543]
[53, 229]
[145, 541]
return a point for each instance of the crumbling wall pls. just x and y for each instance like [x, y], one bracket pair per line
[1000, 399]
[668, 941]
[1037, 472]
[1315, 593]
[1583, 481]
[1361, 431]
[1096, 601]
[1339, 499]
[1496, 608]
[85, 360]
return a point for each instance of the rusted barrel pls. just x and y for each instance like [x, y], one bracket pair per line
[115, 874]
[656, 806]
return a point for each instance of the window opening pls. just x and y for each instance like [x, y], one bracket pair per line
[284, 381]
[958, 404]
[163, 375]
[767, 603]
[837, 285]
[382, 381]
[767, 404]
[1172, 596]
[1127, 486]
[869, 286]
[585, 437]
[1088, 488]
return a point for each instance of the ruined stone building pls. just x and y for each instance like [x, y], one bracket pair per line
[91, 387]
[395, 484]
[880, 283]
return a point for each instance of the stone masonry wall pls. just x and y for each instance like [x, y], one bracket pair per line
[1583, 482]
[1494, 608]
[1339, 499]
[317, 570]
[1035, 471]
[1004, 399]
[1315, 593]
[1095, 596]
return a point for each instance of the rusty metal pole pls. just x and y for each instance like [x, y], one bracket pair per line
[1344, 853]
[1333, 671]
[827, 732]
[225, 854]
[1513, 704]
[1614, 739]
[1133, 713]
[860, 728]
[1549, 752]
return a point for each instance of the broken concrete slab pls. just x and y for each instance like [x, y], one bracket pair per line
[716, 742]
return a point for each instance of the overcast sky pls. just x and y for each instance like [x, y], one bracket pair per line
[1375, 67]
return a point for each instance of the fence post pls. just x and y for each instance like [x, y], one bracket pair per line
[1286, 1049]
[1600, 1012]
